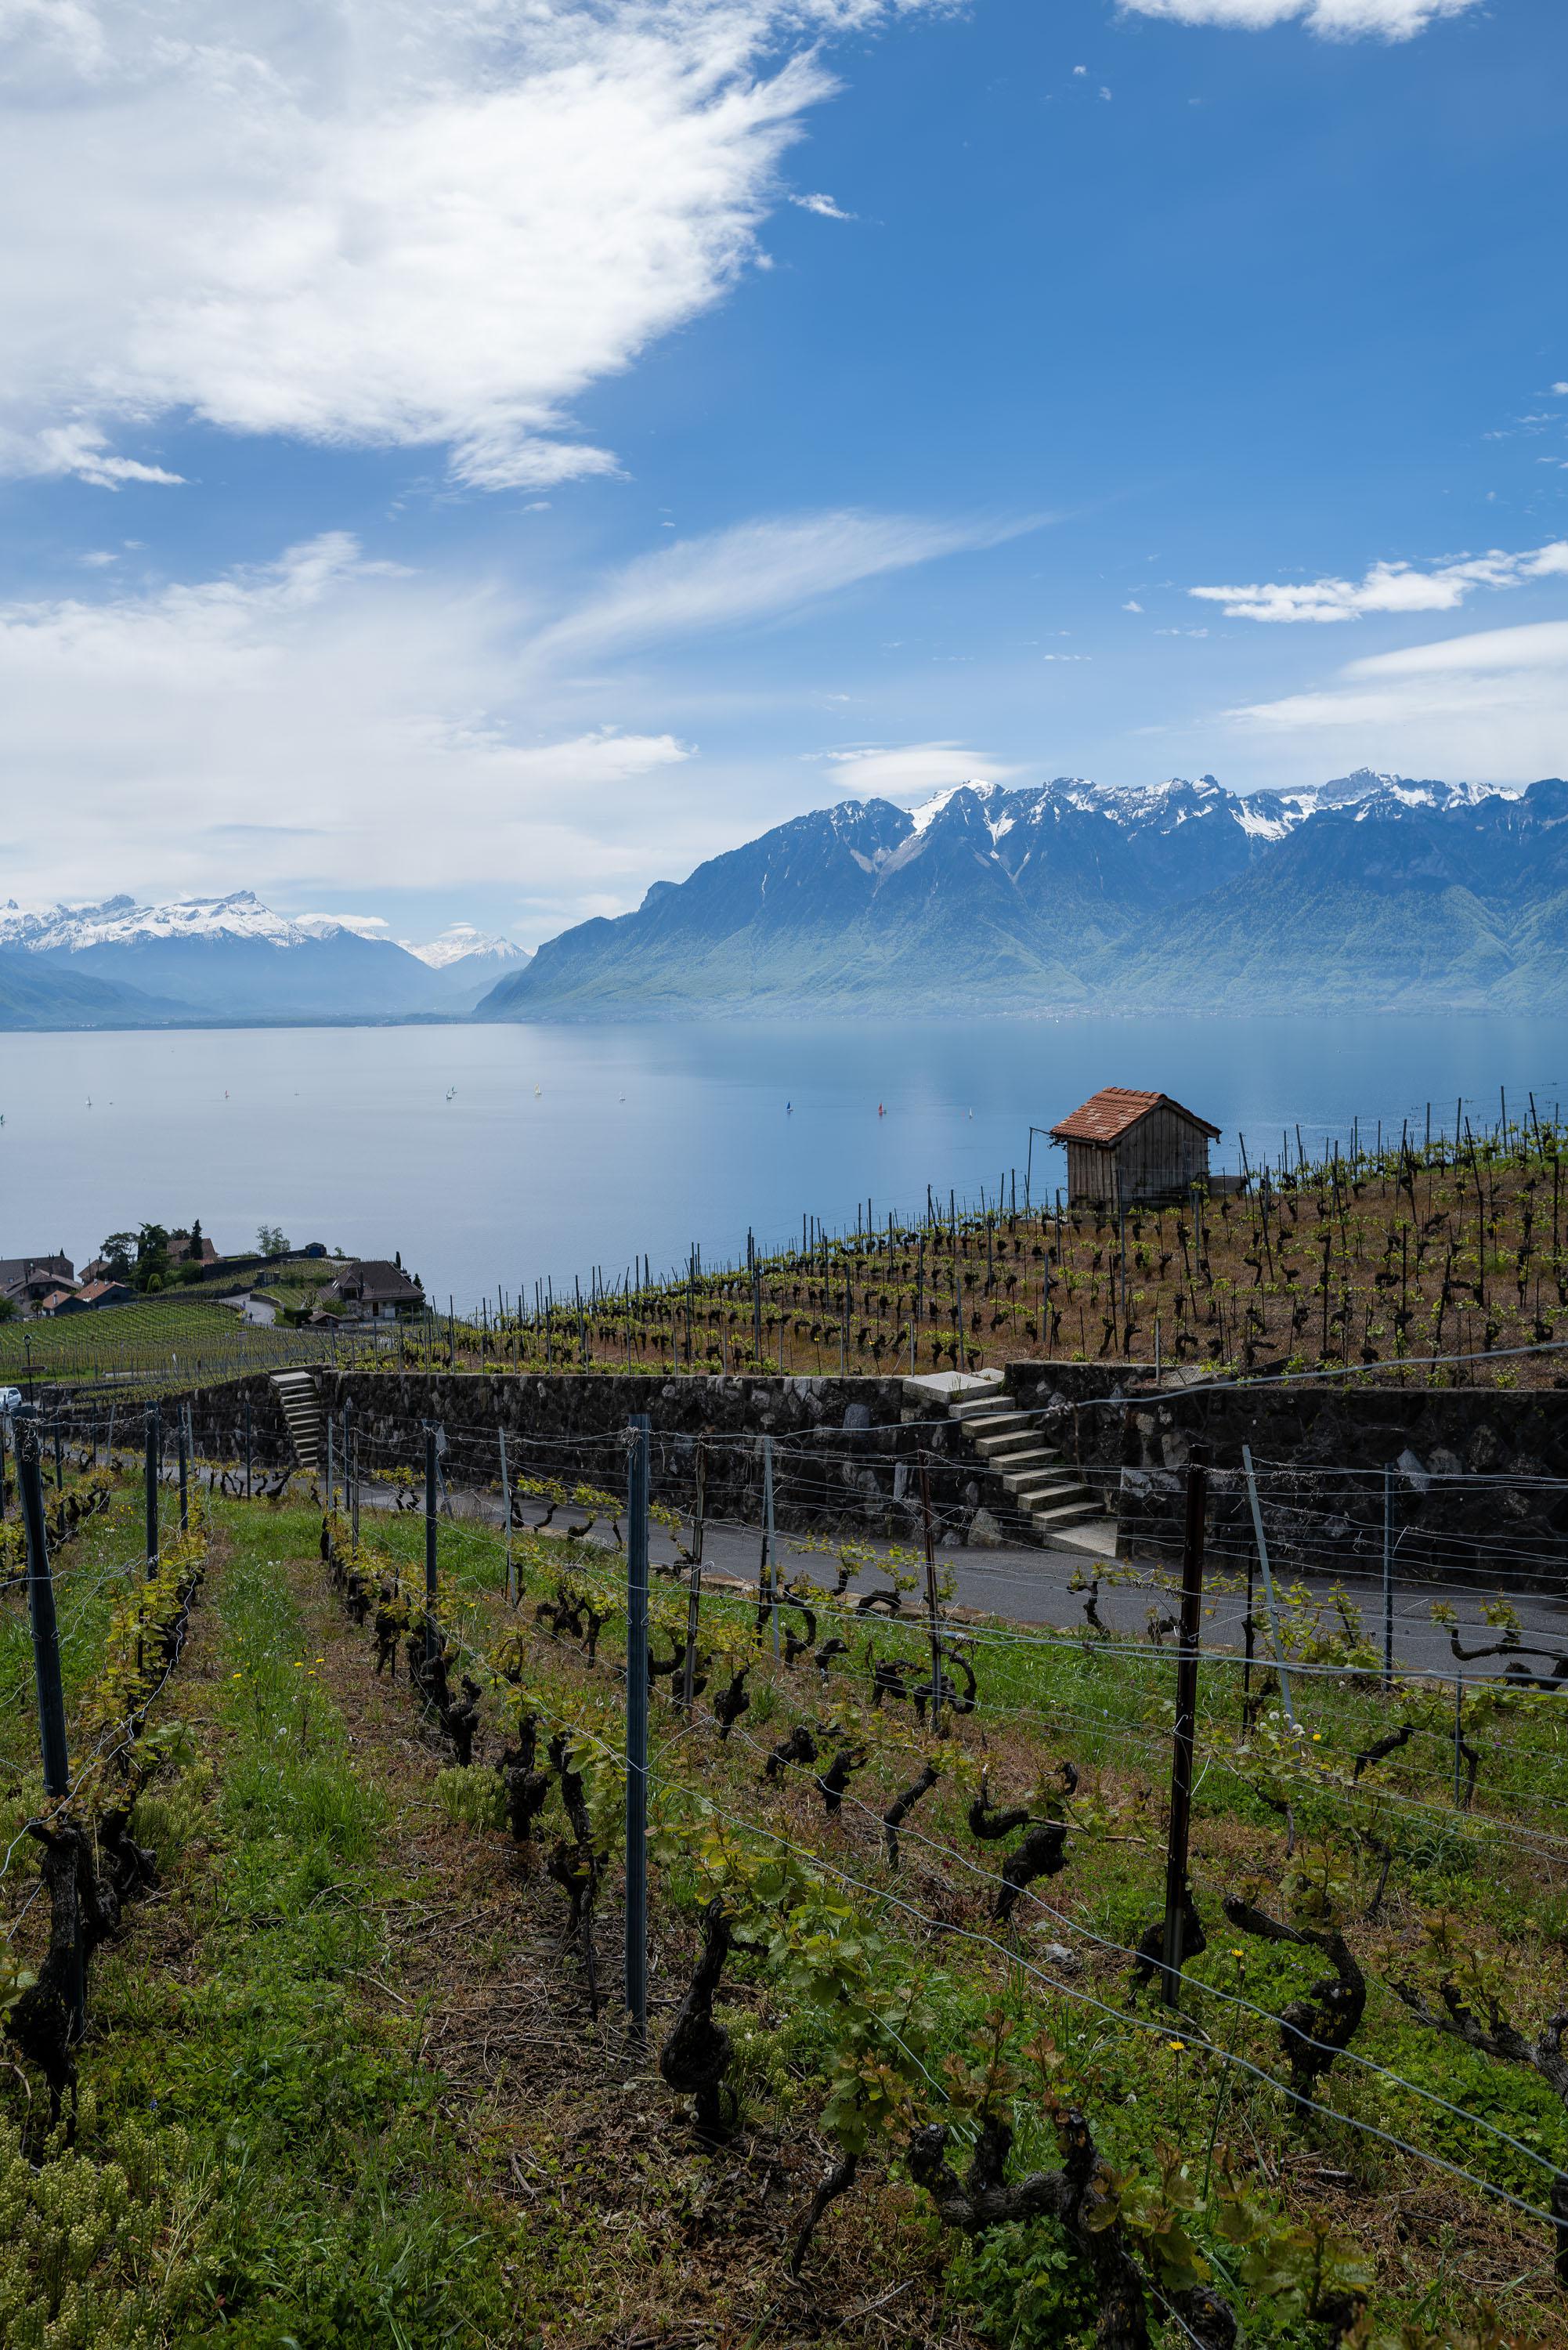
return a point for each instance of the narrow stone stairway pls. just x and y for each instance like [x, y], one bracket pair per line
[301, 1401]
[1042, 1487]
[1041, 1491]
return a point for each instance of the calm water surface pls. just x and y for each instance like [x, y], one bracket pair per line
[563, 1148]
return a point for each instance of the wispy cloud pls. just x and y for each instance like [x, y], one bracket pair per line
[378, 226]
[1388, 587]
[823, 206]
[60, 451]
[757, 571]
[1334, 20]
[1493, 705]
[911, 770]
[370, 711]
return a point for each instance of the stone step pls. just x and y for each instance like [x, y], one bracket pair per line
[1035, 1476]
[992, 1398]
[301, 1400]
[976, 1424]
[1031, 1457]
[1041, 1493]
[1096, 1537]
[946, 1390]
[1018, 1441]
[1068, 1513]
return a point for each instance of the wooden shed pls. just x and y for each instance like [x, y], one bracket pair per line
[1125, 1147]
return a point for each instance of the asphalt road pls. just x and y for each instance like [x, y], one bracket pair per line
[1035, 1587]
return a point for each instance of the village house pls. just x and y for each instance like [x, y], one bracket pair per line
[182, 1253]
[104, 1291]
[371, 1290]
[27, 1280]
[1126, 1148]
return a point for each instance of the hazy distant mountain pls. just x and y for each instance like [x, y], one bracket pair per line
[1374, 890]
[36, 995]
[226, 959]
[466, 965]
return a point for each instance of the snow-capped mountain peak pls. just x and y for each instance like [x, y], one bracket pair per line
[461, 941]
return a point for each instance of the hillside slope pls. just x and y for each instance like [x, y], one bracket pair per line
[1373, 891]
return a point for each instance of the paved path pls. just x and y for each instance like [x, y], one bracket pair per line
[1035, 1587]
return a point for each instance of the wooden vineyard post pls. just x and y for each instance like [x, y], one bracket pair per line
[184, 1456]
[1175, 1892]
[932, 1619]
[694, 1582]
[429, 1544]
[331, 1469]
[247, 1448]
[154, 1464]
[351, 1471]
[637, 1730]
[506, 1515]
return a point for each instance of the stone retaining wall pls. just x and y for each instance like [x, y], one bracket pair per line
[845, 1455]
[1471, 1483]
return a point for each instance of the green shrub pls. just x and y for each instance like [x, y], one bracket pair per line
[96, 2255]
[172, 1815]
[473, 1799]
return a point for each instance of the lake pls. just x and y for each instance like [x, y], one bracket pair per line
[492, 1156]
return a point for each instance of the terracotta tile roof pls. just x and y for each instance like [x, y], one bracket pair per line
[1107, 1116]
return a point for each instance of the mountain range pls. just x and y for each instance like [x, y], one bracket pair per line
[1369, 890]
[121, 964]
[1372, 890]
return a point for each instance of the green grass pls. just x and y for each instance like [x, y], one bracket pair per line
[301, 2175]
[331, 2205]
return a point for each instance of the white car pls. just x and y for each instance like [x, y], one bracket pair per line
[11, 1399]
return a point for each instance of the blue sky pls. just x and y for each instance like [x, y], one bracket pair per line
[589, 435]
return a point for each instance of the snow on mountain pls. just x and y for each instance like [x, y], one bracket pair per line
[461, 943]
[228, 958]
[122, 923]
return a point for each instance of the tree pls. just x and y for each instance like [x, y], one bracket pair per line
[151, 1257]
[118, 1253]
[270, 1240]
[195, 1250]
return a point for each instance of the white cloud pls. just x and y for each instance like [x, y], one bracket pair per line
[1494, 704]
[375, 224]
[1388, 587]
[823, 206]
[327, 721]
[316, 717]
[754, 572]
[911, 770]
[58, 450]
[1341, 20]
[1132, 605]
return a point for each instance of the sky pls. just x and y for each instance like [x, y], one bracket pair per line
[467, 460]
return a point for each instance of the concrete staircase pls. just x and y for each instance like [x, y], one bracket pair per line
[301, 1401]
[1038, 1482]
[1041, 1493]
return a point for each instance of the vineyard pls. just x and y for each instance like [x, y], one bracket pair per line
[1404, 1257]
[376, 2050]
